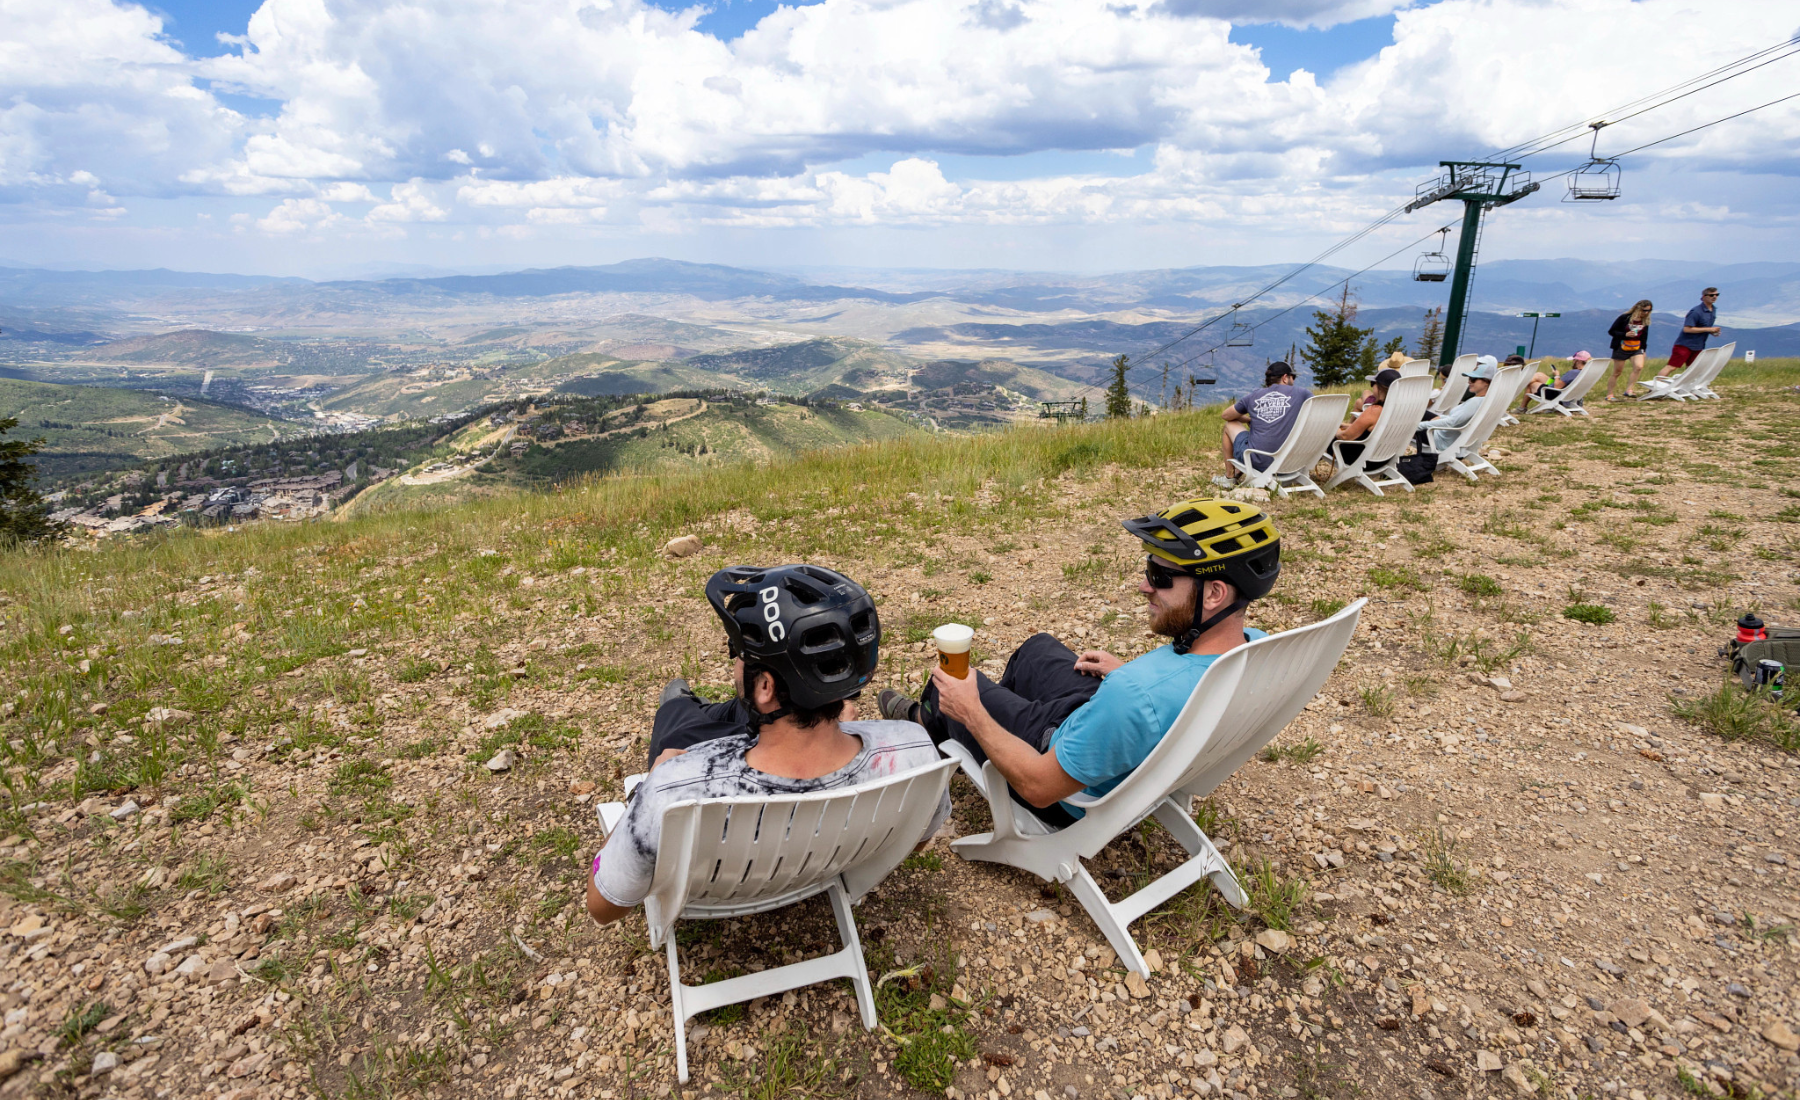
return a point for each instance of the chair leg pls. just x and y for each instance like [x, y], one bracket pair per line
[846, 922]
[1100, 911]
[675, 1006]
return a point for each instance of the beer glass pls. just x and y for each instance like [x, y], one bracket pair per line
[953, 640]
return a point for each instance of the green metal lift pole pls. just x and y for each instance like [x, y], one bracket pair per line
[1459, 283]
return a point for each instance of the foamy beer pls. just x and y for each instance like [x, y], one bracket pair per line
[953, 640]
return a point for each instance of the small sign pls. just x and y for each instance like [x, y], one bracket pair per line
[1750, 357]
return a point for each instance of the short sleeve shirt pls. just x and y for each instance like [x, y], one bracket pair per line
[1111, 734]
[718, 769]
[1272, 411]
[1698, 317]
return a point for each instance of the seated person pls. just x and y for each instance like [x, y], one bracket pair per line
[1058, 723]
[784, 733]
[1444, 429]
[1365, 419]
[1538, 384]
[1260, 421]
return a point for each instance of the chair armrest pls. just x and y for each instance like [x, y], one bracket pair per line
[965, 760]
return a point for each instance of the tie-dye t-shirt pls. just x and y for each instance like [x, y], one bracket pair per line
[717, 769]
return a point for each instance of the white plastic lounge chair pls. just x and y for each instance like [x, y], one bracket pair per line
[1702, 387]
[730, 857]
[1290, 467]
[1247, 697]
[1568, 402]
[1464, 453]
[1415, 366]
[1507, 419]
[1387, 441]
[1455, 385]
[1686, 385]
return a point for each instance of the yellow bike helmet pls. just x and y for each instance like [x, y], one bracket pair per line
[1225, 540]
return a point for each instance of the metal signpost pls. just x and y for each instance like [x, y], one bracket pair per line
[1535, 318]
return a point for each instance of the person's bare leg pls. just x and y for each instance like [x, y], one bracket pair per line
[1612, 380]
[1637, 368]
[1536, 384]
[1232, 428]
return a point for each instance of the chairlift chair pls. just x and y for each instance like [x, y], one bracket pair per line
[1433, 267]
[1240, 336]
[1598, 178]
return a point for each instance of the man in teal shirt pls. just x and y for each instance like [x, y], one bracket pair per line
[1057, 723]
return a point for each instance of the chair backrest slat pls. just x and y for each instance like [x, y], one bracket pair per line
[1455, 384]
[1721, 358]
[1244, 699]
[1493, 408]
[1400, 416]
[1594, 371]
[738, 851]
[1312, 432]
[1414, 367]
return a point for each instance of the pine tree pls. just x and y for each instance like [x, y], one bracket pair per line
[22, 516]
[1431, 341]
[1336, 346]
[1398, 343]
[1118, 395]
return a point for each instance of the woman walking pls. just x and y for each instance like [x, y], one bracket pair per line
[1630, 336]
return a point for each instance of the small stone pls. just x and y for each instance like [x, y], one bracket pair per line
[128, 809]
[1154, 960]
[938, 1004]
[104, 1062]
[682, 546]
[1512, 696]
[168, 716]
[278, 883]
[1610, 967]
[1080, 1032]
[1486, 1061]
[1712, 800]
[1736, 990]
[1515, 1076]
[1779, 1033]
[1538, 989]
[959, 994]
[1235, 1039]
[1631, 1011]
[1500, 682]
[501, 761]
[1273, 939]
[583, 786]
[1136, 986]
[1039, 916]
[157, 963]
[502, 717]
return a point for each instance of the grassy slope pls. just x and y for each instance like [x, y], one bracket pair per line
[133, 418]
[450, 603]
[759, 434]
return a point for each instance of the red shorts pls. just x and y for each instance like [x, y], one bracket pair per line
[1680, 356]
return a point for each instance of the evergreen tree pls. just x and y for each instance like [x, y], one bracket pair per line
[22, 514]
[1118, 395]
[1398, 343]
[1336, 346]
[1431, 341]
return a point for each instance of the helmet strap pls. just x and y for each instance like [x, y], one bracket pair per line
[758, 719]
[1194, 633]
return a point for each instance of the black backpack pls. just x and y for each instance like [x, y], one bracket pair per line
[1417, 468]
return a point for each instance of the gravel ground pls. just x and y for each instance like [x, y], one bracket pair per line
[1492, 860]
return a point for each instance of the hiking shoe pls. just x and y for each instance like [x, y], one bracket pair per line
[1223, 482]
[674, 690]
[896, 707]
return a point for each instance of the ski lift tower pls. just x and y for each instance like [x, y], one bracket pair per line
[1479, 185]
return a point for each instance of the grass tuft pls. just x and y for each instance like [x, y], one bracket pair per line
[1598, 614]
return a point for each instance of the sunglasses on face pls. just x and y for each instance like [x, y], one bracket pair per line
[1161, 576]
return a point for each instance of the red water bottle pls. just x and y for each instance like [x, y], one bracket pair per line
[1750, 629]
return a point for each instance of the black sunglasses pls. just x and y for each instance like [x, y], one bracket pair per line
[1161, 576]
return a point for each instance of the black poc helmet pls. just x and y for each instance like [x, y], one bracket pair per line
[813, 627]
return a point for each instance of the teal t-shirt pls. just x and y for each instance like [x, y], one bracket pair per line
[1113, 732]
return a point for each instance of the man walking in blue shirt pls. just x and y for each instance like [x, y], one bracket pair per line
[1698, 325]
[1057, 723]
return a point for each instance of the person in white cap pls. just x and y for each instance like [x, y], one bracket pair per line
[1538, 383]
[1444, 429]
